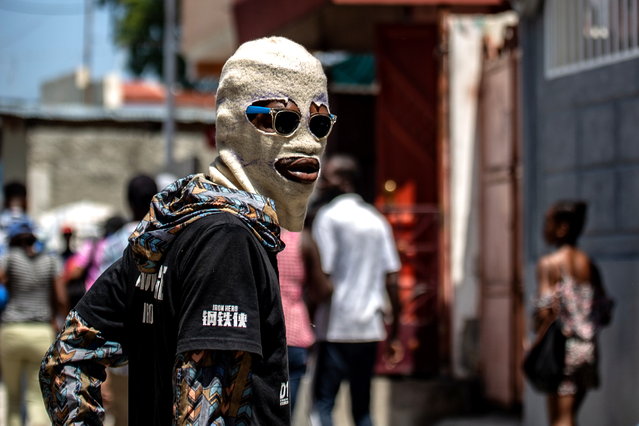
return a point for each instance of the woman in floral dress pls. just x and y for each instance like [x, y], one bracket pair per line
[571, 290]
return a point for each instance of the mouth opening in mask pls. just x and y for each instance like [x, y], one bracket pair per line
[298, 169]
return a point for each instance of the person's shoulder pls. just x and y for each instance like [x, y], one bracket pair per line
[340, 203]
[217, 225]
[115, 244]
[374, 213]
[217, 221]
[220, 237]
[547, 261]
[124, 232]
[583, 265]
[581, 258]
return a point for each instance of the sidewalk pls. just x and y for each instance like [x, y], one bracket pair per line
[488, 420]
[342, 417]
[380, 404]
[3, 405]
[410, 414]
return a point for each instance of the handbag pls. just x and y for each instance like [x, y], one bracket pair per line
[544, 364]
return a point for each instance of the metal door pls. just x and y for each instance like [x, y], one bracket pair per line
[500, 234]
[407, 181]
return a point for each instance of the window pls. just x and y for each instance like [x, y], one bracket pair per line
[584, 34]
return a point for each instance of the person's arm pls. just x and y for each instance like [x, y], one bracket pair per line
[544, 310]
[76, 264]
[73, 370]
[59, 299]
[60, 295]
[213, 387]
[395, 349]
[595, 279]
[4, 291]
[213, 370]
[392, 288]
[392, 265]
[603, 304]
[319, 287]
[4, 270]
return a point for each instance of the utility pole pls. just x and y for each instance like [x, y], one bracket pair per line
[169, 82]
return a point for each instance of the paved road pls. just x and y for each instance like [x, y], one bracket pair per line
[380, 406]
[342, 409]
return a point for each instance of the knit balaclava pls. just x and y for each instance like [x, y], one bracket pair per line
[269, 69]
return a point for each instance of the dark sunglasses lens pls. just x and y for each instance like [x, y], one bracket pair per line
[320, 125]
[286, 122]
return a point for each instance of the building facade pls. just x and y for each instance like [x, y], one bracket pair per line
[581, 121]
[67, 154]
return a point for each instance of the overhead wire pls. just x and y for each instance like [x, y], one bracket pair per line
[41, 8]
[19, 36]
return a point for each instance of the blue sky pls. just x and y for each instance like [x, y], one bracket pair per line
[43, 39]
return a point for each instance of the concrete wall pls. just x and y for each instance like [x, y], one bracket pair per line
[14, 151]
[69, 163]
[76, 89]
[67, 88]
[580, 141]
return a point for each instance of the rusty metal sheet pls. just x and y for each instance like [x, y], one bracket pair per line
[407, 156]
[500, 234]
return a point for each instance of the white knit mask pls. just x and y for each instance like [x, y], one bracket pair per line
[268, 69]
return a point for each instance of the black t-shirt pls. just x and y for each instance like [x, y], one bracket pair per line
[217, 289]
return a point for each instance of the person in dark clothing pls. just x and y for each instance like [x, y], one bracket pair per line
[194, 305]
[83, 268]
[139, 192]
[67, 236]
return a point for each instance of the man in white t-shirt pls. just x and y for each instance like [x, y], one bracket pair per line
[358, 254]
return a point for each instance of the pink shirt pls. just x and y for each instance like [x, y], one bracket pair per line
[90, 250]
[291, 267]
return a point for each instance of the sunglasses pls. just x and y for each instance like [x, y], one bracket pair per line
[286, 121]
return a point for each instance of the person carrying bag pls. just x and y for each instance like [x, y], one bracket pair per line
[544, 363]
[571, 308]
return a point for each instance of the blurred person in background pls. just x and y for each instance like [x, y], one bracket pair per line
[28, 322]
[194, 304]
[358, 254]
[571, 290]
[139, 193]
[67, 236]
[14, 208]
[301, 281]
[83, 268]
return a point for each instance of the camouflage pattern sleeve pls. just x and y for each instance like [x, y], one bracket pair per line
[213, 388]
[73, 370]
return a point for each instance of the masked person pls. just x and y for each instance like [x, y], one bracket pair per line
[194, 303]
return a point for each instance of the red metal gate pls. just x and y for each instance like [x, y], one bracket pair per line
[407, 182]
